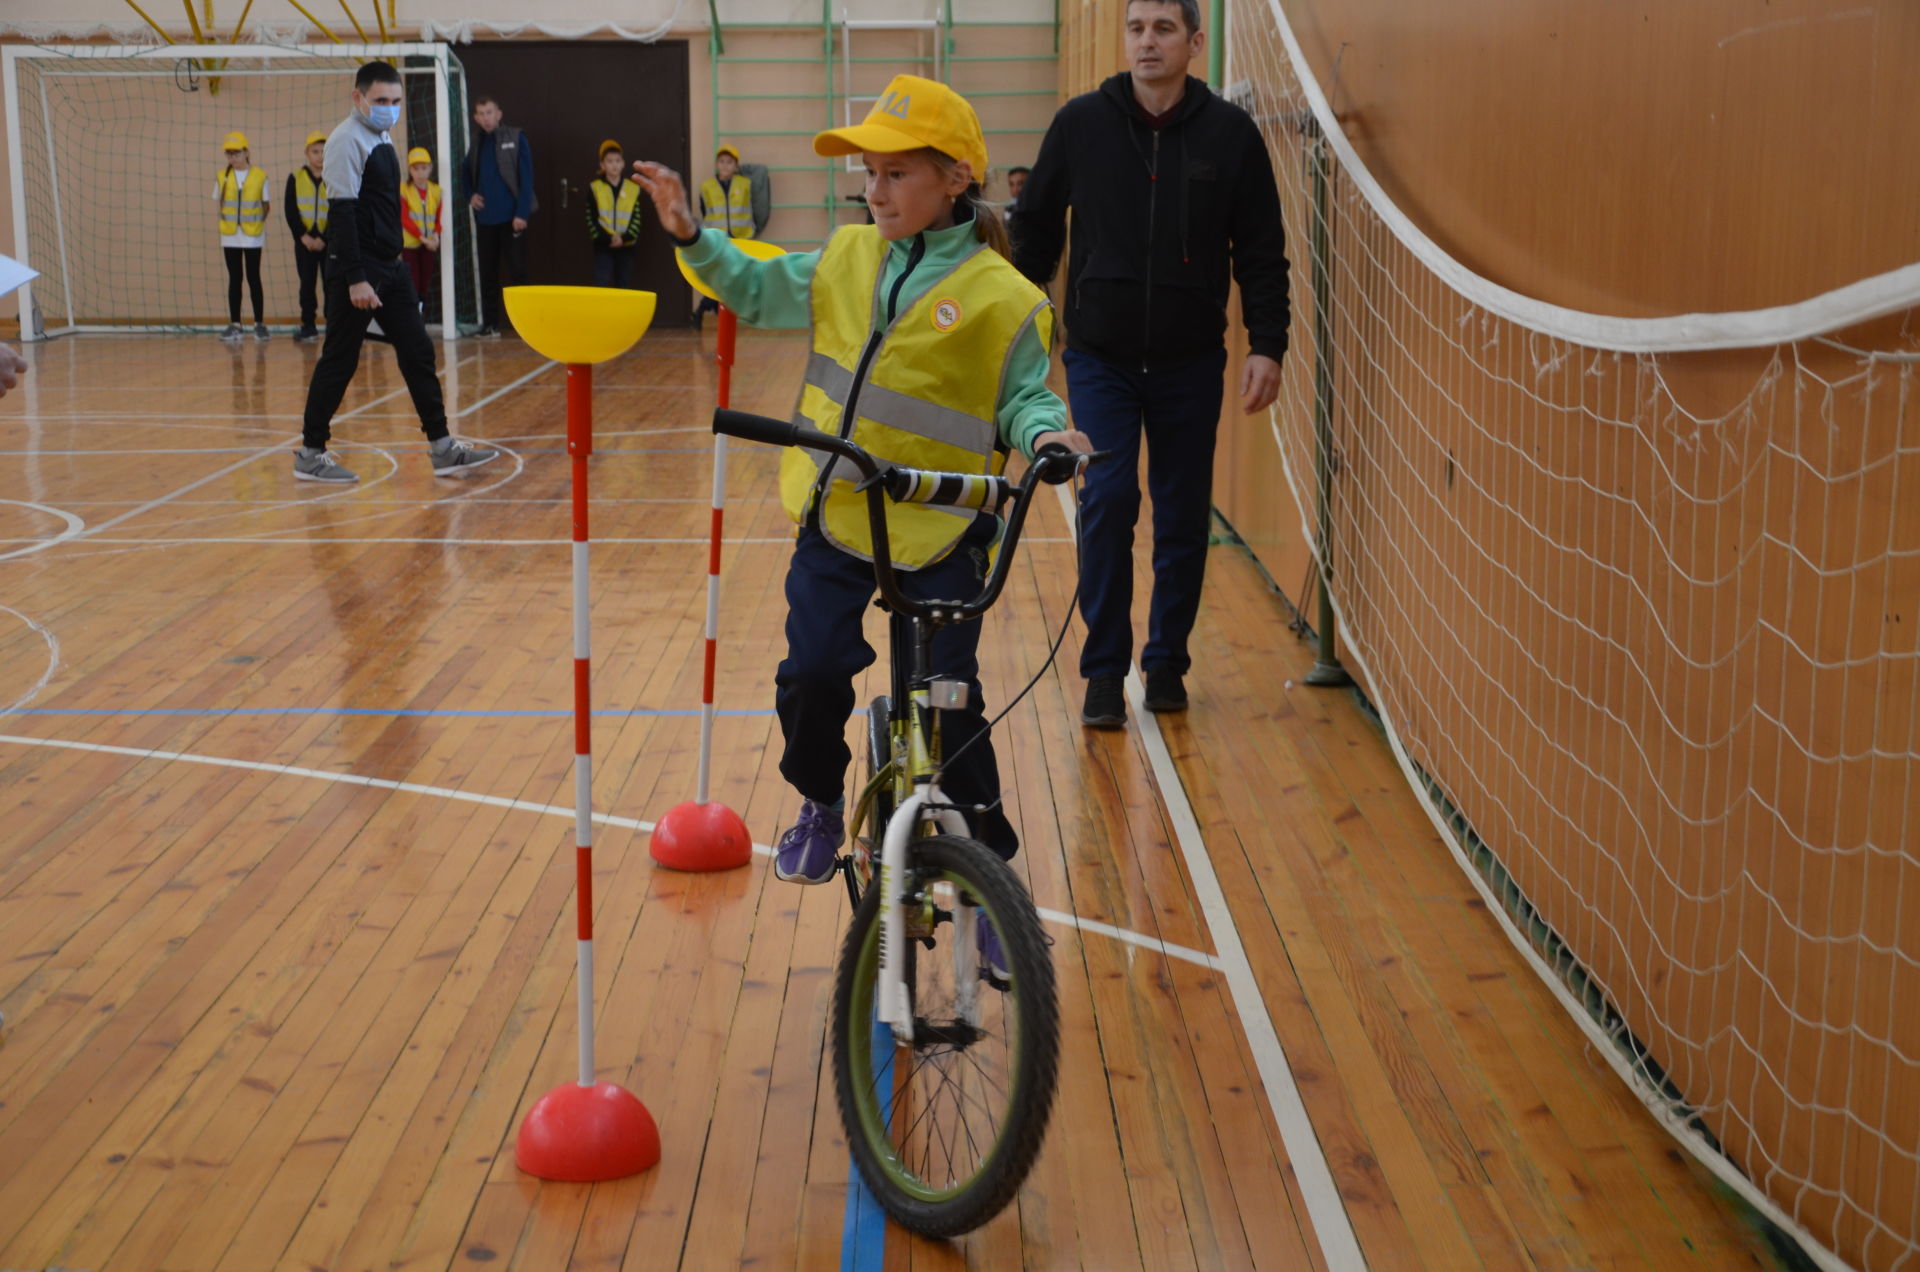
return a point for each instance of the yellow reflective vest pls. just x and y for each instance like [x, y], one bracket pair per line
[243, 204]
[731, 210]
[925, 388]
[419, 216]
[311, 196]
[616, 212]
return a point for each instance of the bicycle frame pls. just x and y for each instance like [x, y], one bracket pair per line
[913, 730]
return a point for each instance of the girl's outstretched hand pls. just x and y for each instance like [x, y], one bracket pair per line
[669, 197]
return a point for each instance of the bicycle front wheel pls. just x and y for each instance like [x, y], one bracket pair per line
[945, 1127]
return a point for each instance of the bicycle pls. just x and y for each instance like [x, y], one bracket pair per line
[944, 1087]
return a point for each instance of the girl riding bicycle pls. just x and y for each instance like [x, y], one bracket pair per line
[921, 321]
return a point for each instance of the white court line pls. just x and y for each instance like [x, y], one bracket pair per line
[53, 661]
[1059, 917]
[503, 389]
[75, 525]
[1332, 1229]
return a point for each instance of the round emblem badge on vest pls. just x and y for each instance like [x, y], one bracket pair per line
[946, 315]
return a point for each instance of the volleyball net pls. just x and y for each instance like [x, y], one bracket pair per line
[1639, 603]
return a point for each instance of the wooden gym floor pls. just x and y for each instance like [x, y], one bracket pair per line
[285, 880]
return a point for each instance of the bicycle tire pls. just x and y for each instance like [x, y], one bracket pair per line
[1032, 1054]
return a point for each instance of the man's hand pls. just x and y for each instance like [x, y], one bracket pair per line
[363, 296]
[1259, 383]
[12, 367]
[669, 197]
[519, 224]
[477, 203]
[618, 242]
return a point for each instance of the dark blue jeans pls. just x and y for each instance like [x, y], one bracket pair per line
[828, 592]
[1178, 413]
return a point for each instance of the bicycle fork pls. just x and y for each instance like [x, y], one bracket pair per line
[895, 1005]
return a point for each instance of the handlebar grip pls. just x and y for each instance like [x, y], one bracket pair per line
[758, 428]
[956, 490]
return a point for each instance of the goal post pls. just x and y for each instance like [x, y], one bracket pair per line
[113, 153]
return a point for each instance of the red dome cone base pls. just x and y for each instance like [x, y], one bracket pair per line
[587, 1134]
[707, 836]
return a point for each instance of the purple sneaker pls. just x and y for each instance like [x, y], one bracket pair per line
[805, 853]
[993, 958]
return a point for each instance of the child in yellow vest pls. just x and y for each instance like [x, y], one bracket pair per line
[306, 209]
[420, 223]
[240, 196]
[924, 305]
[726, 205]
[613, 218]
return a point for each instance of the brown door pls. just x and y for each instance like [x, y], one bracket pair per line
[568, 97]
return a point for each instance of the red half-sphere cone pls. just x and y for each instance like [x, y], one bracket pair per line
[587, 1134]
[707, 836]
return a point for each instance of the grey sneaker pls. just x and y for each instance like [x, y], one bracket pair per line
[313, 465]
[454, 456]
[260, 331]
[233, 334]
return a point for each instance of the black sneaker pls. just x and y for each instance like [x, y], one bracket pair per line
[1165, 692]
[1106, 705]
[307, 334]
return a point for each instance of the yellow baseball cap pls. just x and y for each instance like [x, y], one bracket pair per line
[611, 144]
[913, 113]
[727, 150]
[315, 135]
[418, 155]
[235, 141]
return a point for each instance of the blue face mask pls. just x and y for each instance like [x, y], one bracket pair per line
[383, 117]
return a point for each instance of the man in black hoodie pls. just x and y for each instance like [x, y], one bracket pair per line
[1171, 190]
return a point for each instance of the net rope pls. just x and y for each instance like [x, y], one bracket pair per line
[1644, 622]
[120, 155]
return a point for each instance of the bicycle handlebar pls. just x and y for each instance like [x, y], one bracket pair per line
[979, 491]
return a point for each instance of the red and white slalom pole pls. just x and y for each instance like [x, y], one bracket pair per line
[704, 835]
[584, 1130]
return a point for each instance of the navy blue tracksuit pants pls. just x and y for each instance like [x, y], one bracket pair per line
[828, 592]
[1177, 411]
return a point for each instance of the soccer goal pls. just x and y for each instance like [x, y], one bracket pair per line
[114, 152]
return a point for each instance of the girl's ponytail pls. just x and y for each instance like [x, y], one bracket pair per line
[988, 223]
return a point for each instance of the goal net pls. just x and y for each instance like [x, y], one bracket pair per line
[114, 155]
[1643, 622]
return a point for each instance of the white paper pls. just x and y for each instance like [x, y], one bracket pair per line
[13, 274]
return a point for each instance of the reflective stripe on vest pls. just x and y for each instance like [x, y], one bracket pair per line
[615, 217]
[243, 205]
[731, 210]
[931, 394]
[418, 218]
[312, 198]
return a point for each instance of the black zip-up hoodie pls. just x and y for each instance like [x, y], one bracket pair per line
[1159, 220]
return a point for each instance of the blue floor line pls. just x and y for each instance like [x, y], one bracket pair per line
[863, 1241]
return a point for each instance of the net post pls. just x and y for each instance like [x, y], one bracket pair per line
[1326, 671]
[16, 174]
[443, 144]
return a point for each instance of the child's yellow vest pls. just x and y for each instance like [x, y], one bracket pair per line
[311, 195]
[927, 385]
[616, 213]
[731, 210]
[243, 205]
